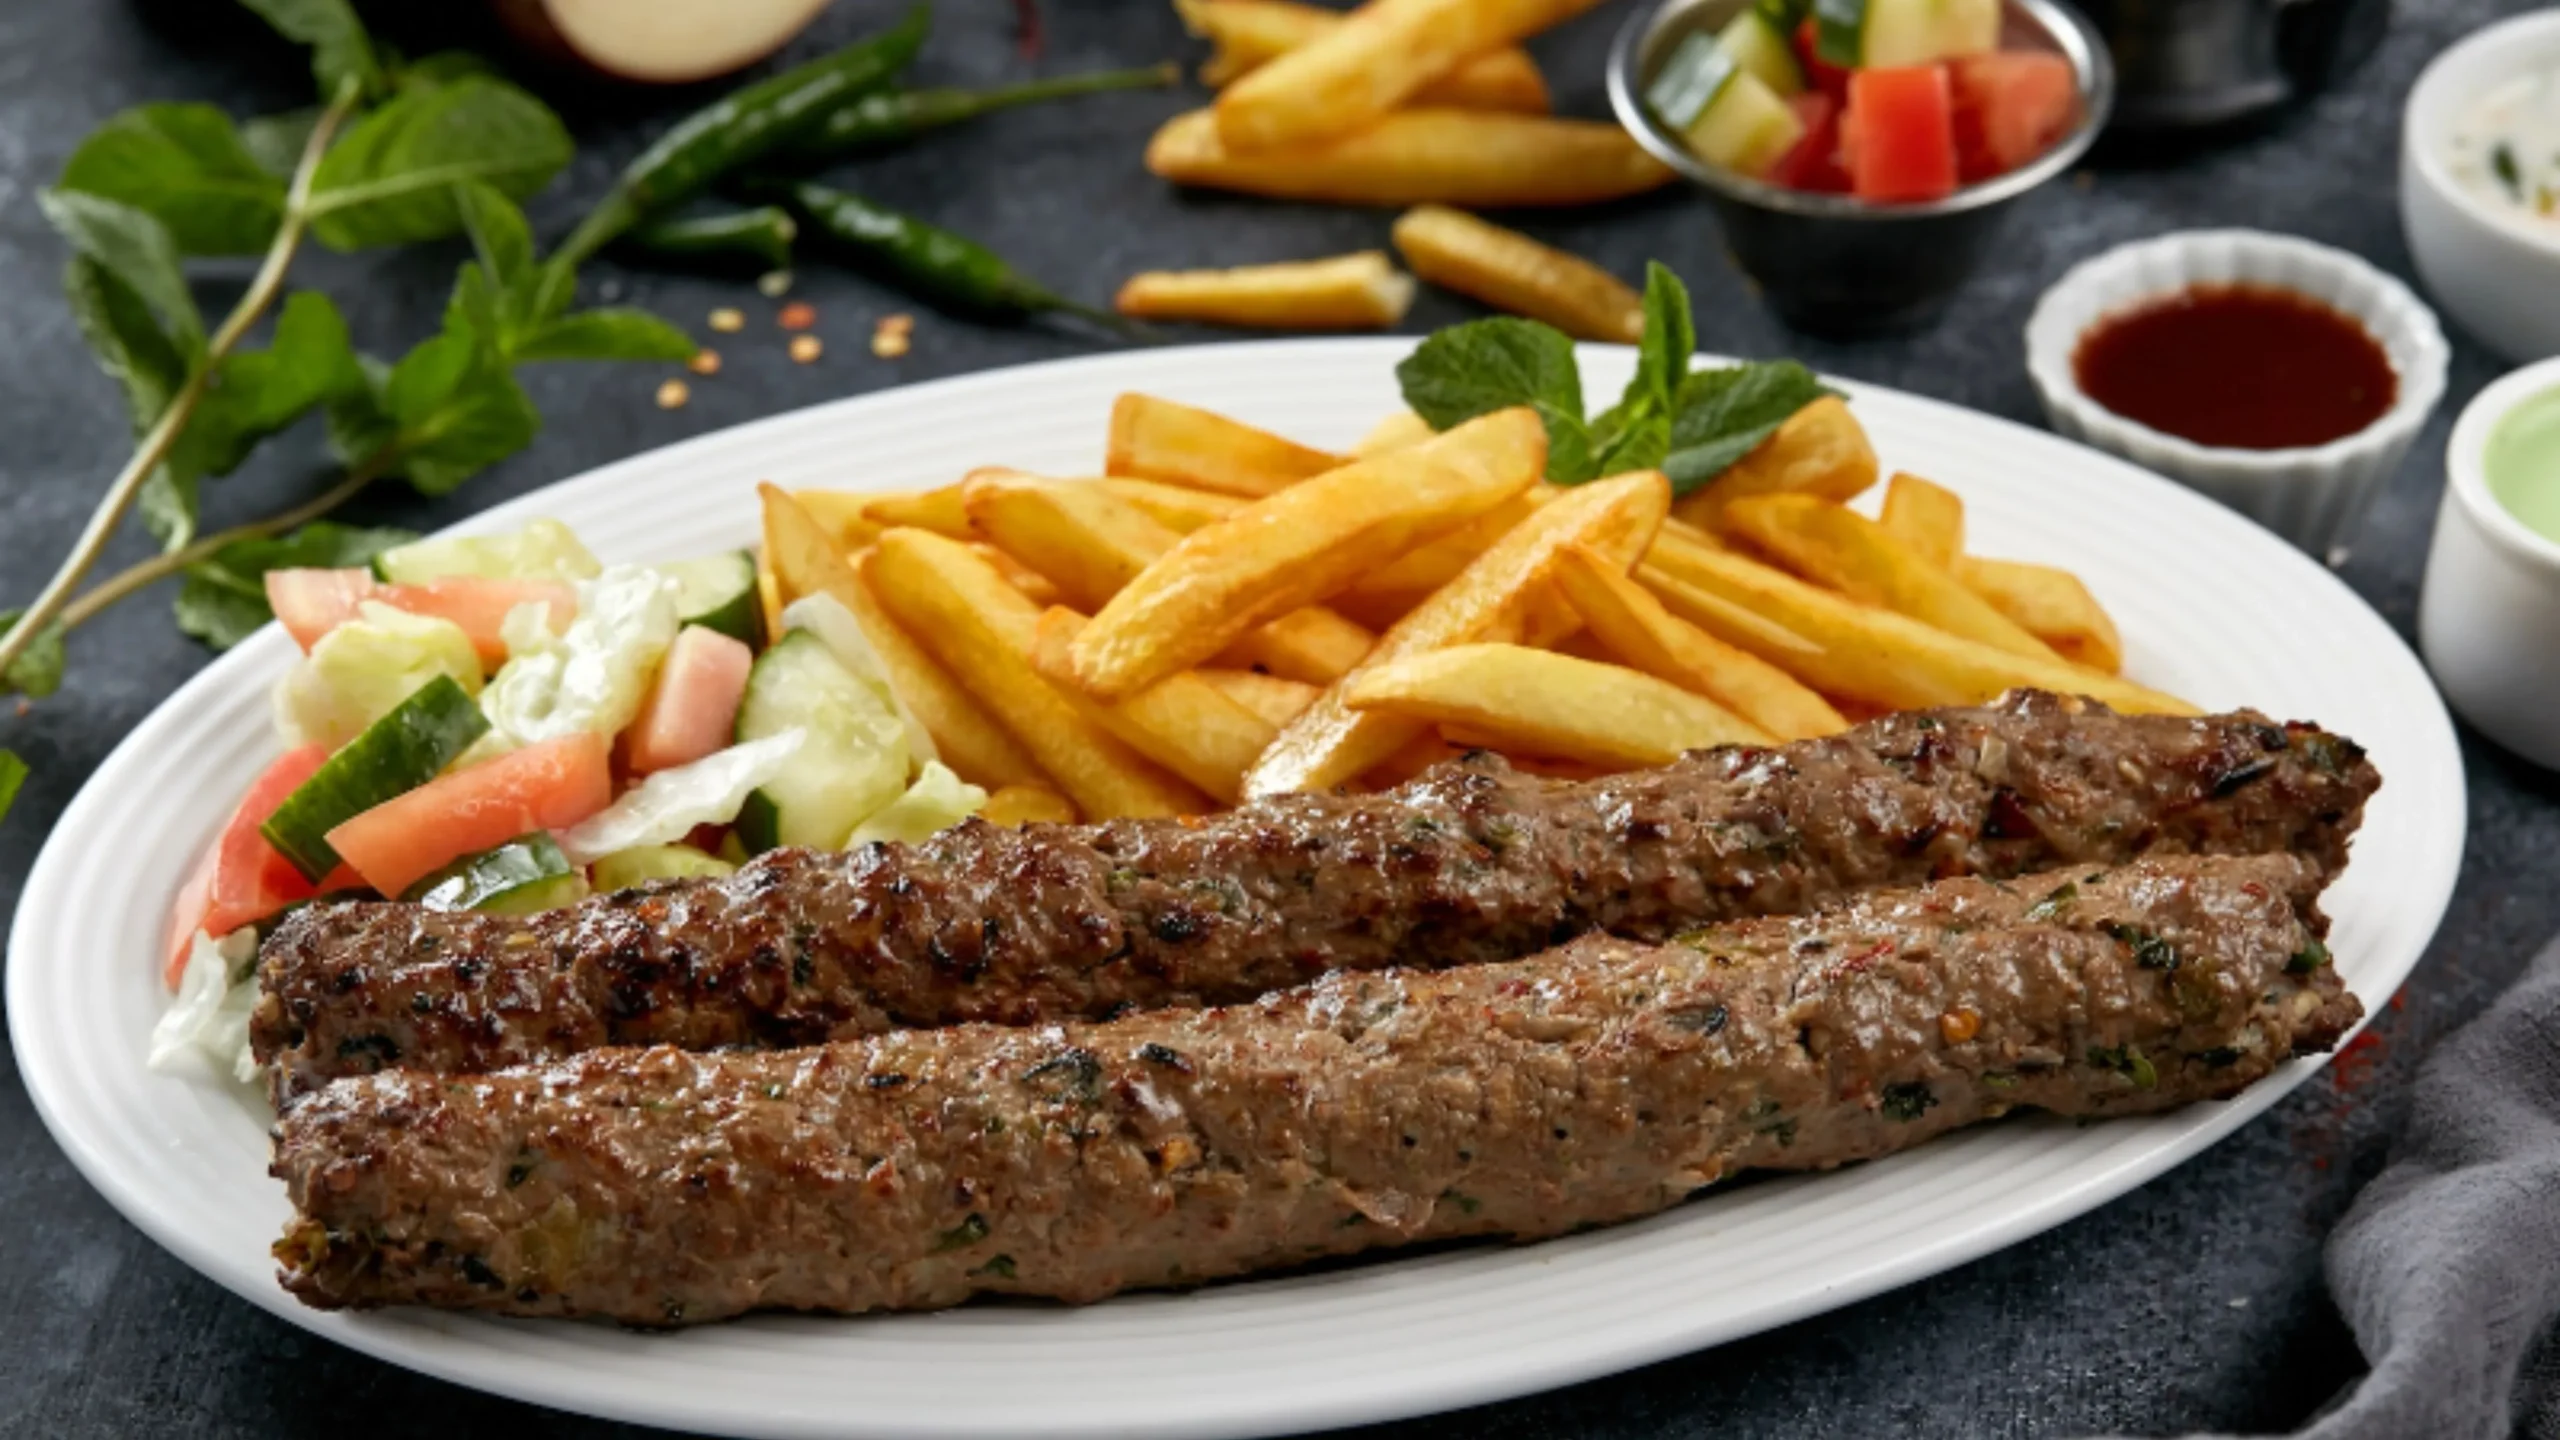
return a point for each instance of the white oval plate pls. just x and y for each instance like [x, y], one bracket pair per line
[2212, 607]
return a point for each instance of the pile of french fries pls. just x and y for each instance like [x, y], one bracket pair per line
[1224, 613]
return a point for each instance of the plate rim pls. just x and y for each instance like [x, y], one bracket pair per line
[428, 1349]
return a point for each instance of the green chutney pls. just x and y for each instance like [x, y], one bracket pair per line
[2522, 462]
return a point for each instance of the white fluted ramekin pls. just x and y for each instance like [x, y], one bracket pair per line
[2314, 496]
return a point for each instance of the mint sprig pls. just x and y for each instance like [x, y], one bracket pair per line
[1691, 424]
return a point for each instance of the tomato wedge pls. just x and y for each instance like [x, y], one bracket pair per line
[693, 708]
[311, 603]
[1898, 136]
[242, 879]
[549, 786]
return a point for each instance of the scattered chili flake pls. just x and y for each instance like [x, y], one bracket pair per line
[798, 315]
[805, 349]
[704, 362]
[673, 394]
[728, 320]
[774, 284]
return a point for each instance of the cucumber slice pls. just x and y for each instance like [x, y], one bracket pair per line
[1748, 129]
[1757, 45]
[1885, 33]
[644, 863]
[717, 592]
[852, 762]
[520, 877]
[543, 550]
[832, 621]
[1839, 31]
[396, 754]
[1690, 81]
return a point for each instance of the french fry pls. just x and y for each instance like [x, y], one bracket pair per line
[1836, 546]
[1471, 158]
[1497, 598]
[1820, 451]
[1371, 62]
[1182, 722]
[1250, 33]
[984, 629]
[768, 597]
[939, 511]
[839, 513]
[1548, 704]
[1386, 595]
[1035, 587]
[1347, 292]
[1634, 628]
[1301, 545]
[804, 562]
[1509, 271]
[1092, 544]
[1394, 433]
[1871, 656]
[2052, 604]
[1926, 516]
[1178, 508]
[1154, 439]
[1015, 806]
[1272, 697]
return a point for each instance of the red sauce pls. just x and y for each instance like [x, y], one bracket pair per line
[2239, 366]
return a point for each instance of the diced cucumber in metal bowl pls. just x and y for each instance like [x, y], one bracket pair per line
[1730, 116]
[1875, 34]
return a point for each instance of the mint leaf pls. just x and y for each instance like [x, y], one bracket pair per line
[256, 393]
[37, 672]
[224, 598]
[607, 334]
[1486, 365]
[126, 338]
[186, 166]
[1638, 444]
[1723, 415]
[1670, 338]
[169, 503]
[340, 49]
[442, 68]
[454, 410]
[391, 180]
[359, 423]
[136, 249]
[13, 773]
[276, 142]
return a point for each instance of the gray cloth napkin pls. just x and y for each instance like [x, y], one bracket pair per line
[2448, 1266]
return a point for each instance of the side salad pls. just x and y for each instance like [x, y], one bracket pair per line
[502, 723]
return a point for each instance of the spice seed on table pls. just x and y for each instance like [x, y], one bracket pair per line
[704, 362]
[728, 320]
[798, 315]
[673, 394]
[805, 349]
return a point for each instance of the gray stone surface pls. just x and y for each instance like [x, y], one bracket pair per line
[2195, 1302]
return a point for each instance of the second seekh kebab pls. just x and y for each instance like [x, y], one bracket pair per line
[1470, 863]
[1590, 1084]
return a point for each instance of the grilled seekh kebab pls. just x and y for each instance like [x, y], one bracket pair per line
[1601, 1081]
[1470, 863]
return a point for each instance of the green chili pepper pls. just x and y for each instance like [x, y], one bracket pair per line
[762, 235]
[889, 117]
[929, 262]
[736, 131]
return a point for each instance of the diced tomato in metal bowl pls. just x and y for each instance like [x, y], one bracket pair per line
[2010, 107]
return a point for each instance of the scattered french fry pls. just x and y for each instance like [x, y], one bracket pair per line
[1633, 627]
[1873, 656]
[1374, 60]
[1092, 544]
[1838, 547]
[1182, 722]
[805, 562]
[1386, 595]
[1272, 697]
[1394, 433]
[1300, 546]
[1926, 516]
[1179, 508]
[939, 511]
[1155, 439]
[984, 629]
[1473, 158]
[1509, 271]
[1015, 806]
[1550, 704]
[1250, 33]
[1820, 451]
[2052, 604]
[1496, 598]
[1347, 292]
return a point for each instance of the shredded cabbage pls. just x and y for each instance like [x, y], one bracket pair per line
[210, 1017]
[937, 800]
[362, 669]
[667, 806]
[590, 677]
[835, 626]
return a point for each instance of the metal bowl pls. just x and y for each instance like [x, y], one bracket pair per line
[1833, 263]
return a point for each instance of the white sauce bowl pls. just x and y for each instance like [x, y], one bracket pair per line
[2496, 270]
[2490, 606]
